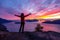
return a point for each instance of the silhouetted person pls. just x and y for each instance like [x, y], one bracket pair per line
[22, 16]
[38, 28]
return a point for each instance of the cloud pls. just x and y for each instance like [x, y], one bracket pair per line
[11, 7]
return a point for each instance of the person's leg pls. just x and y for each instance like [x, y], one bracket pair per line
[20, 28]
[23, 28]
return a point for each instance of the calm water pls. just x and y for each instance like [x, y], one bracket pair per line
[30, 26]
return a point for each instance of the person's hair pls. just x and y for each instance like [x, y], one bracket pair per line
[22, 13]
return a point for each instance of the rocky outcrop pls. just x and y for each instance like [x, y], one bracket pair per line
[3, 28]
[30, 36]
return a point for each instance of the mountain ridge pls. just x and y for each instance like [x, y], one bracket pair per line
[4, 21]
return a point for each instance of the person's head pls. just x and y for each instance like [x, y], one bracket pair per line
[22, 13]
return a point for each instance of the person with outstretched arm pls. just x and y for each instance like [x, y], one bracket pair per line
[22, 16]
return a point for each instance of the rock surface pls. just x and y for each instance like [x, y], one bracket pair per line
[29, 36]
[3, 28]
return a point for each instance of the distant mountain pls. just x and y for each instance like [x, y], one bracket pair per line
[4, 20]
[34, 20]
[53, 22]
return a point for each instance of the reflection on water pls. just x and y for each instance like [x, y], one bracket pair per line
[46, 27]
[51, 27]
[30, 26]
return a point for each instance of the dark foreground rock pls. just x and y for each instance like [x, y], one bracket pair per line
[3, 28]
[29, 36]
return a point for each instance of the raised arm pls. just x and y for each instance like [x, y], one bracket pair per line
[17, 15]
[27, 15]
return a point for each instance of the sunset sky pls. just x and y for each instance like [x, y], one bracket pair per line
[40, 9]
